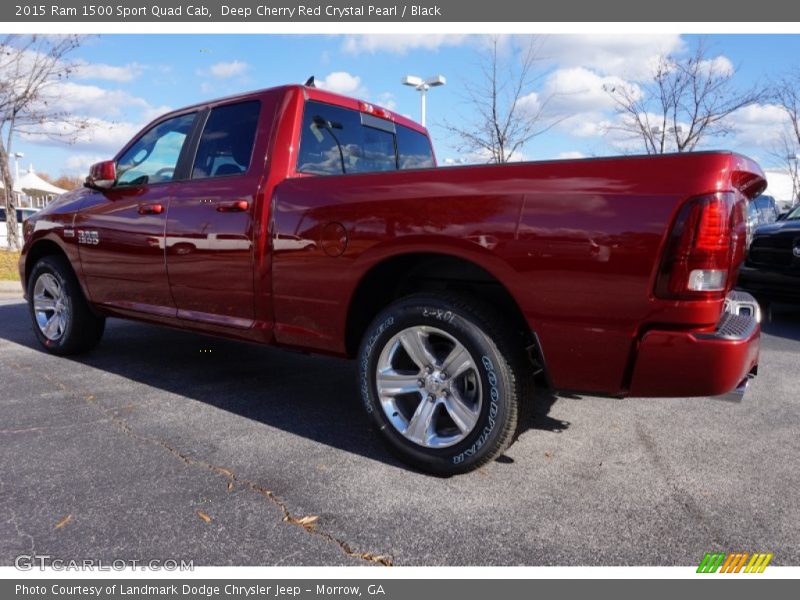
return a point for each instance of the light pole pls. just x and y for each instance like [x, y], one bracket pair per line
[422, 86]
[17, 156]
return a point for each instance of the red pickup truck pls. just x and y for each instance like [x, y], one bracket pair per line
[297, 217]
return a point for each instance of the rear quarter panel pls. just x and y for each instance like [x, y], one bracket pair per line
[575, 242]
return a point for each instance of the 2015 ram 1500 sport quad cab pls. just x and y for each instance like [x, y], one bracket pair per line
[297, 217]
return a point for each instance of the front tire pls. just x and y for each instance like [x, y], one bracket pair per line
[445, 380]
[62, 319]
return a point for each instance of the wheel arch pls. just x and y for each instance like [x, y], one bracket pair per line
[401, 275]
[47, 246]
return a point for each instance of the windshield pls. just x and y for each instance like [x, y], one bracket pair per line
[794, 214]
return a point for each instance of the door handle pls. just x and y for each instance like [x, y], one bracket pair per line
[151, 209]
[236, 206]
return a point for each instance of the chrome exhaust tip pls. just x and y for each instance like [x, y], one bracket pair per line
[737, 394]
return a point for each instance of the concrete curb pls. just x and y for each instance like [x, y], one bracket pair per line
[10, 287]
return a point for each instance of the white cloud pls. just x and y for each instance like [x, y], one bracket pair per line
[386, 100]
[588, 125]
[108, 135]
[83, 69]
[78, 164]
[756, 130]
[758, 126]
[226, 70]
[100, 135]
[483, 156]
[119, 74]
[626, 56]
[530, 104]
[342, 82]
[399, 44]
[779, 183]
[571, 155]
[720, 66]
[452, 162]
[84, 99]
[579, 90]
[601, 134]
[153, 112]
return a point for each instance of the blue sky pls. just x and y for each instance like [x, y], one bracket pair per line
[125, 81]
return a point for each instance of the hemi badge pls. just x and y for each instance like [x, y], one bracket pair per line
[69, 233]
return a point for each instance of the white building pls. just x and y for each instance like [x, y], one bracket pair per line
[32, 191]
[779, 186]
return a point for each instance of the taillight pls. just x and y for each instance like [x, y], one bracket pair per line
[713, 229]
[703, 246]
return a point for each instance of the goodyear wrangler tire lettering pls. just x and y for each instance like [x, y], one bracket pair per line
[439, 421]
[438, 313]
[494, 395]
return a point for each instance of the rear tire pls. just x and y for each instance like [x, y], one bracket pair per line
[62, 319]
[445, 380]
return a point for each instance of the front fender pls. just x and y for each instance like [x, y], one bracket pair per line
[51, 234]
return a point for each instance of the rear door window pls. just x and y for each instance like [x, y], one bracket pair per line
[226, 145]
[413, 149]
[337, 140]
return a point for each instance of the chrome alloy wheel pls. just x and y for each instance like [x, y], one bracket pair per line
[429, 387]
[50, 307]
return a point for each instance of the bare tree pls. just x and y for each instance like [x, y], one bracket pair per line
[65, 182]
[786, 151]
[787, 96]
[687, 99]
[507, 115]
[30, 67]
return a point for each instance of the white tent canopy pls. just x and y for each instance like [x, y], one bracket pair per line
[31, 190]
[30, 183]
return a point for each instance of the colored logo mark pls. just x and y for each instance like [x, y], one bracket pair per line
[734, 562]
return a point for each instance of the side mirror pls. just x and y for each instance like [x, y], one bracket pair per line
[102, 175]
[782, 216]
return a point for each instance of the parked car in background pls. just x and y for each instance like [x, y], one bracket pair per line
[22, 214]
[772, 268]
[764, 210]
[761, 211]
[788, 208]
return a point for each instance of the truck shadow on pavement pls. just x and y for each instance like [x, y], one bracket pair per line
[314, 397]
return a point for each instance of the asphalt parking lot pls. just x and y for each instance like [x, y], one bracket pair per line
[167, 445]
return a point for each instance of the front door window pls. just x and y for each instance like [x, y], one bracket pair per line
[154, 156]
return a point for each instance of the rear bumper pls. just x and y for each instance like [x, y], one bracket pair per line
[771, 284]
[680, 363]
